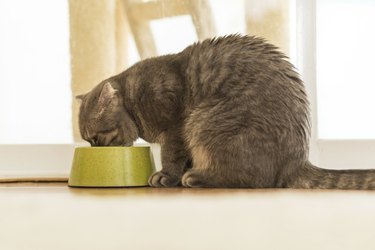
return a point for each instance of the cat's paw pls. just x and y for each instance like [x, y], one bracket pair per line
[193, 180]
[161, 179]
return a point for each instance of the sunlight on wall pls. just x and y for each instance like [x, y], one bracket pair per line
[345, 69]
[35, 95]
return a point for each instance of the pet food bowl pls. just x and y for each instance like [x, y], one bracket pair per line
[111, 167]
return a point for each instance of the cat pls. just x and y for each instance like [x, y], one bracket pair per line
[228, 112]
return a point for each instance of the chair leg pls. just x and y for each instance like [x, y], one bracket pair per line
[141, 32]
[202, 19]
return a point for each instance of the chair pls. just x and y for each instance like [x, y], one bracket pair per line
[141, 12]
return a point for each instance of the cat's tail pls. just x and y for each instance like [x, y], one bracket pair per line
[312, 177]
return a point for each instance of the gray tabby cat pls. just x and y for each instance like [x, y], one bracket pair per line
[228, 112]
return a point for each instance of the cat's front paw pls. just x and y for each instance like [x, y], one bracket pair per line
[193, 180]
[161, 179]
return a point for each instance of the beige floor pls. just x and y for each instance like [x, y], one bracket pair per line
[53, 216]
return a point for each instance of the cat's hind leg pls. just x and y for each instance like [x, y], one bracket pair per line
[227, 150]
[218, 168]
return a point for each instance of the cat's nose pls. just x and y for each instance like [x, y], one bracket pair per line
[94, 141]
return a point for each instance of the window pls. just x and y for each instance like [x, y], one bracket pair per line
[35, 93]
[345, 79]
[35, 90]
[333, 52]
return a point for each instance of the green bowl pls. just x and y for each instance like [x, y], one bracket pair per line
[111, 167]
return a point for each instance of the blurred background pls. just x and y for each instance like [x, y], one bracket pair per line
[51, 51]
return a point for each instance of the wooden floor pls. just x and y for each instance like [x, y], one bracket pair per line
[53, 216]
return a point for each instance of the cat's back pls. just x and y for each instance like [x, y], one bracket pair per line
[229, 65]
[219, 50]
[253, 76]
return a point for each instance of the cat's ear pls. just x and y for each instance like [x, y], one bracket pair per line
[80, 97]
[108, 94]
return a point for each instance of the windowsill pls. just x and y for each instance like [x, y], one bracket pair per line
[45, 162]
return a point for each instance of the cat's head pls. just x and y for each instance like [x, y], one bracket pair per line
[103, 119]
